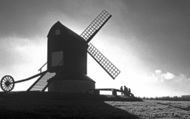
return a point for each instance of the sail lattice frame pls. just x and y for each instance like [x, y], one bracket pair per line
[89, 33]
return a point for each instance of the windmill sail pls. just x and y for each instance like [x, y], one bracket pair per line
[95, 25]
[110, 68]
[89, 33]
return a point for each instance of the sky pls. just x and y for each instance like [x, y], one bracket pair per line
[148, 40]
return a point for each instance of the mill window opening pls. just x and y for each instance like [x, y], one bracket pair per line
[57, 59]
[57, 32]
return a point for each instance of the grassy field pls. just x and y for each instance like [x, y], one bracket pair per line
[152, 109]
[36, 105]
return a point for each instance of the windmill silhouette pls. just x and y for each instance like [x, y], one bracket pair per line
[67, 60]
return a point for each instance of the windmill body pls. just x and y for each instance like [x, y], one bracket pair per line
[67, 51]
[67, 57]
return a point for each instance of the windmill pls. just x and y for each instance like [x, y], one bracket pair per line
[67, 60]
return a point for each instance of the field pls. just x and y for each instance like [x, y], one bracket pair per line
[151, 109]
[36, 105]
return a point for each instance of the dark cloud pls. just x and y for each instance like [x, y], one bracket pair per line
[23, 17]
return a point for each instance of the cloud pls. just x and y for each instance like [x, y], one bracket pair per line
[162, 76]
[168, 76]
[173, 84]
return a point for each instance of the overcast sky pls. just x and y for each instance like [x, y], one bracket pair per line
[148, 40]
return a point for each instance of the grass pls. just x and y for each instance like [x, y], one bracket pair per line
[151, 109]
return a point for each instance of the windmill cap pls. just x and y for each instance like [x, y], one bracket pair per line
[57, 25]
[64, 31]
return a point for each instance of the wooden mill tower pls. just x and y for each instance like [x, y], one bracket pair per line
[67, 56]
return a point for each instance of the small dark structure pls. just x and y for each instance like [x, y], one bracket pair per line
[113, 92]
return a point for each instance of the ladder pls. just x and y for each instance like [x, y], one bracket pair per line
[41, 83]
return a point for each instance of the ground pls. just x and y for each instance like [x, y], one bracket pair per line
[152, 109]
[37, 105]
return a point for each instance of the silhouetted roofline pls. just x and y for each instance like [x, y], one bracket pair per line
[58, 24]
